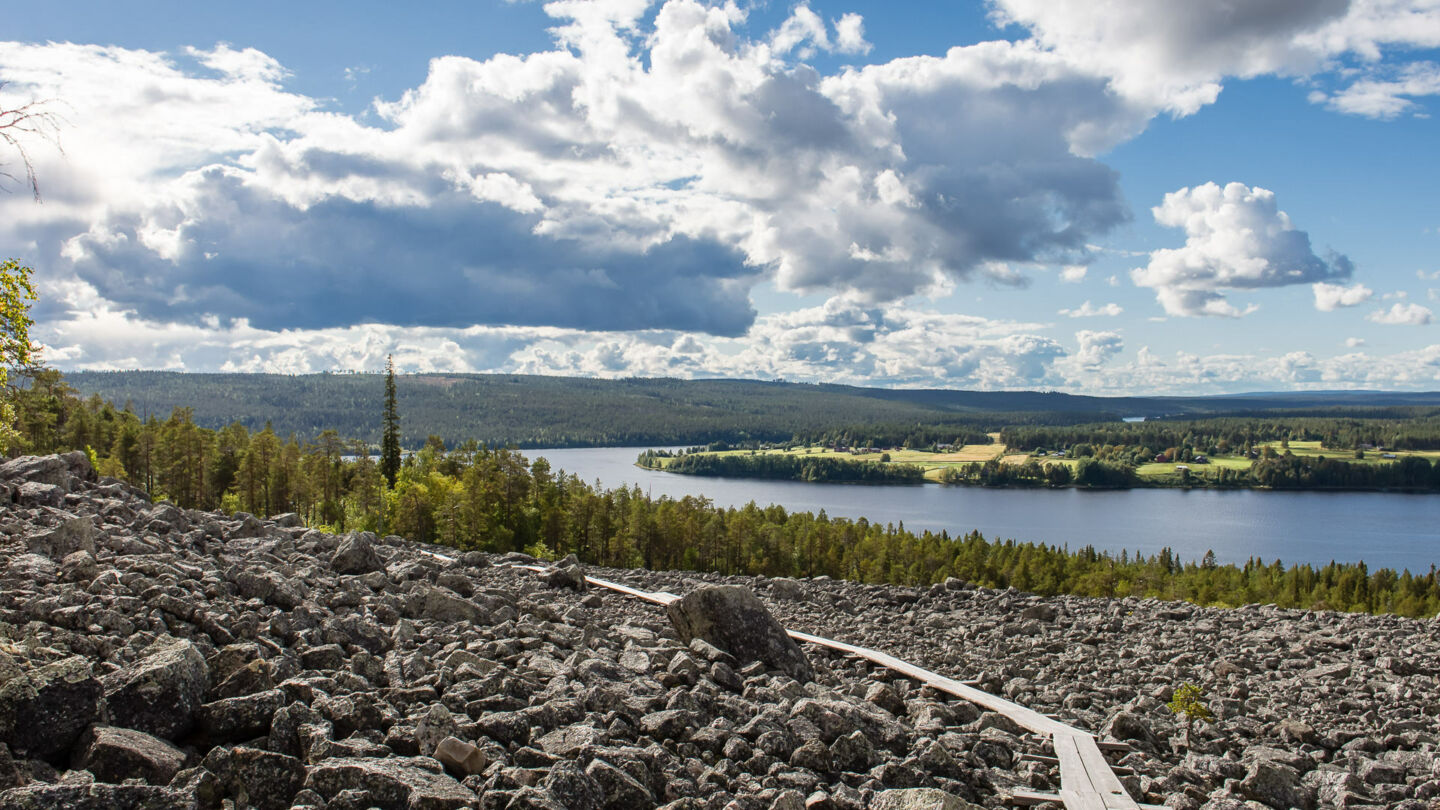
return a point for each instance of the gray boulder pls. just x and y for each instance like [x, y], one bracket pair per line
[116, 754]
[269, 781]
[919, 799]
[240, 718]
[565, 576]
[75, 534]
[621, 790]
[733, 619]
[44, 711]
[393, 783]
[357, 555]
[446, 606]
[161, 693]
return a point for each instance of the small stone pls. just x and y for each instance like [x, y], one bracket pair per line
[460, 758]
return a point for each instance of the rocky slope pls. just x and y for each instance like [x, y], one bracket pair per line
[152, 657]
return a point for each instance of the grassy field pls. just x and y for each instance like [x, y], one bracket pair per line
[934, 463]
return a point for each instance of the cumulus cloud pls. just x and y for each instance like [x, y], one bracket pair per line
[1236, 238]
[1175, 56]
[1097, 347]
[1402, 314]
[642, 174]
[1073, 273]
[1329, 297]
[1088, 310]
[1354, 342]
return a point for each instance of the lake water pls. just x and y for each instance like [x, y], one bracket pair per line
[1383, 529]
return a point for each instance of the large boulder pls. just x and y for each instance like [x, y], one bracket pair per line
[733, 619]
[393, 783]
[269, 780]
[160, 693]
[74, 534]
[357, 555]
[117, 754]
[43, 711]
[240, 718]
[446, 606]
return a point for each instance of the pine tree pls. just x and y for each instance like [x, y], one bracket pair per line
[390, 441]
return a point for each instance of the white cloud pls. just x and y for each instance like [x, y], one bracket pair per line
[1236, 238]
[1402, 315]
[640, 175]
[1385, 98]
[1329, 297]
[1073, 273]
[850, 34]
[1175, 56]
[1097, 347]
[1354, 342]
[1088, 310]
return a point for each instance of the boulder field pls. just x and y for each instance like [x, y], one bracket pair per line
[154, 657]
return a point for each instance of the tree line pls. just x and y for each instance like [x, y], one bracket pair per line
[1399, 428]
[785, 467]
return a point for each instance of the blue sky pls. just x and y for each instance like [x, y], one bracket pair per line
[1137, 197]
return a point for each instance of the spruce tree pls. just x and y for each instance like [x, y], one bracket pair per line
[390, 441]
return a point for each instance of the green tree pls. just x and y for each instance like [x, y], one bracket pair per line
[16, 353]
[390, 440]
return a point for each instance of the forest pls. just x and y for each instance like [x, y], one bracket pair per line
[535, 411]
[472, 496]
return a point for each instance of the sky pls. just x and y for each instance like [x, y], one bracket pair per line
[1090, 196]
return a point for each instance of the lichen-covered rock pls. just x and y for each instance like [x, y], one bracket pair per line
[267, 780]
[43, 711]
[918, 799]
[239, 718]
[731, 618]
[74, 534]
[117, 754]
[159, 694]
[393, 783]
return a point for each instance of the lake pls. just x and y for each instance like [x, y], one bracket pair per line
[1389, 530]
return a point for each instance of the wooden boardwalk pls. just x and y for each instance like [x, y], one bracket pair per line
[1087, 781]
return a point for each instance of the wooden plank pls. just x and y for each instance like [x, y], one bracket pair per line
[1075, 786]
[1041, 758]
[1026, 718]
[1026, 798]
[1106, 783]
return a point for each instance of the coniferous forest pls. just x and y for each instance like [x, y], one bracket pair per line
[476, 497]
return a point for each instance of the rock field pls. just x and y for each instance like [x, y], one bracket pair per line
[152, 657]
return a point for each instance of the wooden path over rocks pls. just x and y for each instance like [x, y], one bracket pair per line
[1087, 780]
